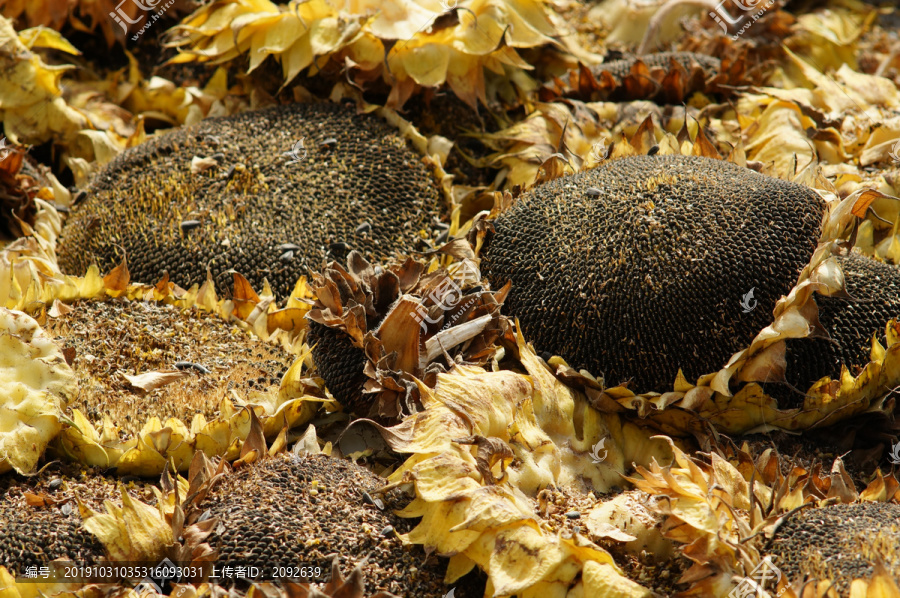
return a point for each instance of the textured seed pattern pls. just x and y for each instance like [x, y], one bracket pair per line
[648, 273]
[339, 363]
[32, 536]
[290, 510]
[839, 543]
[620, 68]
[115, 337]
[874, 288]
[251, 211]
[42, 537]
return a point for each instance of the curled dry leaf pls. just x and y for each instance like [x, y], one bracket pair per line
[406, 45]
[150, 381]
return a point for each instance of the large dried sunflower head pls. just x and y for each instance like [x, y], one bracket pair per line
[762, 365]
[841, 545]
[185, 405]
[648, 265]
[290, 509]
[323, 180]
[855, 321]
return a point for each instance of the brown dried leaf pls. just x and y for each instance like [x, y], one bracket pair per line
[39, 500]
[399, 333]
[245, 298]
[254, 446]
[552, 168]
[490, 451]
[842, 486]
[862, 203]
[59, 309]
[162, 287]
[703, 147]
[459, 249]
[409, 274]
[644, 139]
[116, 282]
[69, 354]
[639, 83]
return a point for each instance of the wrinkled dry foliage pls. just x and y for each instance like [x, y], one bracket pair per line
[376, 333]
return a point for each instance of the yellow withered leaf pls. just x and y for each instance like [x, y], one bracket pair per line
[408, 44]
[31, 105]
[133, 532]
[34, 383]
[602, 579]
[44, 37]
[829, 37]
[149, 381]
[479, 506]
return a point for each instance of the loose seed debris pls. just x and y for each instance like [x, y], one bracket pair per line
[116, 337]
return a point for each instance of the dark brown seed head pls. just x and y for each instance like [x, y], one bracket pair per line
[249, 203]
[652, 274]
[839, 543]
[621, 67]
[874, 289]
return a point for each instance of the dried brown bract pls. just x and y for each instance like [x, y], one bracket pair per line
[379, 331]
[666, 77]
